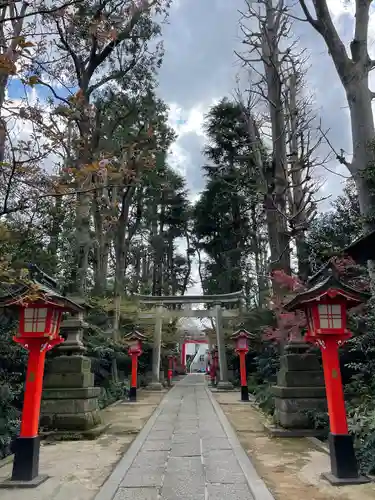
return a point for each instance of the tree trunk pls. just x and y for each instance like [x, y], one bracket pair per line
[259, 269]
[3, 127]
[276, 177]
[83, 242]
[54, 236]
[101, 251]
[363, 134]
[157, 243]
[120, 252]
[298, 211]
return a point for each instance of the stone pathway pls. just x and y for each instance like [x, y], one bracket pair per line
[187, 451]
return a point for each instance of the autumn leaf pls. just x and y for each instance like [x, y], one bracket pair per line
[6, 64]
[26, 45]
[33, 80]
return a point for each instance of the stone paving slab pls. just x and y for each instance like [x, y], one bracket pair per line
[186, 449]
[157, 445]
[187, 453]
[186, 437]
[162, 426]
[223, 467]
[215, 443]
[138, 477]
[160, 435]
[239, 491]
[136, 494]
[145, 458]
[184, 479]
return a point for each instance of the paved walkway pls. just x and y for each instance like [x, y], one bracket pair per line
[186, 451]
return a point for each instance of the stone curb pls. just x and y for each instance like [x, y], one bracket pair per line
[5, 461]
[257, 486]
[318, 444]
[109, 488]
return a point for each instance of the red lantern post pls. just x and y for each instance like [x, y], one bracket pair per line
[325, 305]
[170, 369]
[214, 365]
[183, 357]
[40, 311]
[241, 339]
[134, 342]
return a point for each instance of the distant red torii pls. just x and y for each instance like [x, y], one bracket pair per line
[183, 350]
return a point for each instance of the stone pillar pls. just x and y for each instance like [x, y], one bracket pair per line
[224, 383]
[300, 388]
[156, 351]
[70, 400]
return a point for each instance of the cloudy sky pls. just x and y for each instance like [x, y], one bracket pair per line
[200, 67]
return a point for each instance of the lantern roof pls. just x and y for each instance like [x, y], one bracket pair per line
[135, 335]
[241, 333]
[36, 286]
[322, 284]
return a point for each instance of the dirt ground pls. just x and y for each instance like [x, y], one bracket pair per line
[291, 467]
[77, 469]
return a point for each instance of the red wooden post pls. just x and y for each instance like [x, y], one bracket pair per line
[243, 377]
[170, 370]
[183, 357]
[26, 457]
[334, 389]
[33, 389]
[133, 388]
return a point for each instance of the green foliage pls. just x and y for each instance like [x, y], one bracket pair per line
[12, 372]
[225, 214]
[112, 392]
[333, 231]
[265, 398]
[9, 418]
[361, 419]
[318, 419]
[360, 389]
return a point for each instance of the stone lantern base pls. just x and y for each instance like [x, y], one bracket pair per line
[300, 389]
[70, 401]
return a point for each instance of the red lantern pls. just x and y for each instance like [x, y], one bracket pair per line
[325, 304]
[241, 339]
[242, 344]
[135, 347]
[40, 319]
[327, 314]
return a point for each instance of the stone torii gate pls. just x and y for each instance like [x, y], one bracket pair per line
[159, 312]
